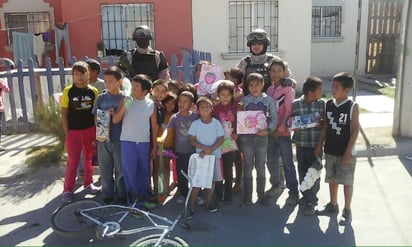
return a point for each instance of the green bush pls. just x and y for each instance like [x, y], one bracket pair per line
[49, 121]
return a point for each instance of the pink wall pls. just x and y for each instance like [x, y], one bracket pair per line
[56, 4]
[173, 25]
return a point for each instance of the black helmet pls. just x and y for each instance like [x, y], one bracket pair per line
[258, 35]
[142, 32]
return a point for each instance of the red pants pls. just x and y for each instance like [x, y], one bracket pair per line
[76, 141]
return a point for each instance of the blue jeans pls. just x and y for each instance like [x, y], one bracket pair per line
[254, 151]
[109, 164]
[305, 157]
[272, 163]
[282, 147]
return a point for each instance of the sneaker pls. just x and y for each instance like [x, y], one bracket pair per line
[346, 218]
[309, 209]
[292, 199]
[67, 197]
[200, 201]
[189, 213]
[149, 205]
[302, 201]
[211, 208]
[227, 201]
[181, 200]
[263, 201]
[2, 148]
[237, 188]
[247, 202]
[92, 189]
[329, 209]
[272, 192]
[218, 202]
[109, 200]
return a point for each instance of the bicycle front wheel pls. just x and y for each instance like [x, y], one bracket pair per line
[152, 239]
[68, 221]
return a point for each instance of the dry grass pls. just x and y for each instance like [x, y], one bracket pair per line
[45, 156]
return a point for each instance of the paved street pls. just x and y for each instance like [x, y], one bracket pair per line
[381, 202]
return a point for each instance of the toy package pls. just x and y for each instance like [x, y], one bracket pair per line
[209, 75]
[102, 125]
[304, 121]
[249, 122]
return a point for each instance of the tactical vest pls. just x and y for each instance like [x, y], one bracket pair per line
[145, 64]
[262, 69]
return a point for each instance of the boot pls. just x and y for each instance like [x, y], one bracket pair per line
[260, 187]
[247, 190]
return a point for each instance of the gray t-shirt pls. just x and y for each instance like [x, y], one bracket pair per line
[181, 124]
[136, 121]
[99, 84]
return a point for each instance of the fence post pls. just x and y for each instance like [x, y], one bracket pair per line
[173, 66]
[111, 61]
[8, 78]
[23, 96]
[188, 76]
[49, 77]
[32, 87]
[12, 99]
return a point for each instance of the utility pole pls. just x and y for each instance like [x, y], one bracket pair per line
[355, 72]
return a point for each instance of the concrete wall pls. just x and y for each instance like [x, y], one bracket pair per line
[211, 33]
[330, 56]
[403, 102]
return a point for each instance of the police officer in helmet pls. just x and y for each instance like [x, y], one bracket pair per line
[144, 59]
[259, 60]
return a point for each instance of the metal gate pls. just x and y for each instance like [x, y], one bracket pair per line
[383, 36]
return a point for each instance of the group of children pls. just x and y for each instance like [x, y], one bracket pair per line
[172, 116]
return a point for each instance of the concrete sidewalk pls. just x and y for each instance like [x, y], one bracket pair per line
[381, 201]
[381, 207]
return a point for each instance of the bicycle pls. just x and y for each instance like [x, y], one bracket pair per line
[88, 215]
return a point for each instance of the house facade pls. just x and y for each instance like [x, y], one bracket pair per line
[223, 30]
[316, 37]
[97, 25]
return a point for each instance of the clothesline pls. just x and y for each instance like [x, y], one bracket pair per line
[11, 28]
[79, 19]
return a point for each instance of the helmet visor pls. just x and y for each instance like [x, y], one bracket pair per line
[256, 37]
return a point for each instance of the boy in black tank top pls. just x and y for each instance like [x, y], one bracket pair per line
[339, 135]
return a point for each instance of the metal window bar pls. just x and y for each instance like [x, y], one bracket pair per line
[26, 22]
[326, 21]
[245, 16]
[120, 20]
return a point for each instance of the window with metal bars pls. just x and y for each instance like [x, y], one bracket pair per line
[245, 16]
[326, 21]
[119, 22]
[26, 22]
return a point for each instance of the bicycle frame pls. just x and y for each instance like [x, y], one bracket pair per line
[167, 226]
